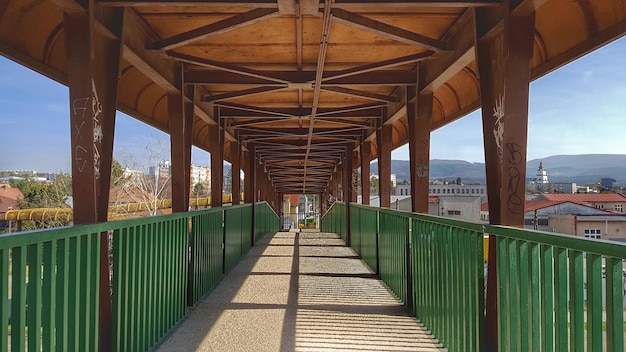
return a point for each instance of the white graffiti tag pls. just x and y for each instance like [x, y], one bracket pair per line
[79, 108]
[498, 128]
[96, 109]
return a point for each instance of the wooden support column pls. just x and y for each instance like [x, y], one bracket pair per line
[250, 191]
[366, 156]
[504, 56]
[383, 140]
[235, 159]
[180, 123]
[348, 189]
[419, 110]
[330, 190]
[260, 182]
[354, 177]
[248, 181]
[332, 185]
[340, 181]
[217, 162]
[93, 52]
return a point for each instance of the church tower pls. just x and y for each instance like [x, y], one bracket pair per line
[542, 174]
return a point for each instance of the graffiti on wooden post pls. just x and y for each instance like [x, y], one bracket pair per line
[422, 170]
[96, 109]
[515, 203]
[498, 128]
[79, 108]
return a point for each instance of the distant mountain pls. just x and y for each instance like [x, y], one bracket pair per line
[582, 169]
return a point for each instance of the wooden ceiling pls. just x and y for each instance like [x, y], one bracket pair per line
[303, 82]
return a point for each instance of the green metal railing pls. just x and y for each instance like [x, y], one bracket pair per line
[49, 279]
[335, 220]
[393, 244]
[542, 303]
[448, 280]
[49, 290]
[367, 235]
[237, 234]
[149, 279]
[207, 262]
[266, 220]
[555, 292]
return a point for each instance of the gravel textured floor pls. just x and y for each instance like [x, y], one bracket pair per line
[300, 292]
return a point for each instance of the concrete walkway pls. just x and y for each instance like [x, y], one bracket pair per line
[300, 292]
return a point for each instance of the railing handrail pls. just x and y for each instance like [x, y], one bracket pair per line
[589, 245]
[435, 219]
[25, 238]
[597, 246]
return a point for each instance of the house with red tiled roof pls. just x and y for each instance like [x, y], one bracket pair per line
[606, 201]
[9, 199]
[123, 195]
[537, 212]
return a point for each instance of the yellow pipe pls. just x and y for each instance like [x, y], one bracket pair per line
[115, 211]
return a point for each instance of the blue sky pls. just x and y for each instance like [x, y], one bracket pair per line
[578, 109]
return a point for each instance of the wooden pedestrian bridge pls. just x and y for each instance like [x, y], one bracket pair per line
[227, 279]
[300, 95]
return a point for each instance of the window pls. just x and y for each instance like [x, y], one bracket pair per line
[600, 206]
[454, 212]
[619, 208]
[482, 191]
[472, 191]
[593, 233]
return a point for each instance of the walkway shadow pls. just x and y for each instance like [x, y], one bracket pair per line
[300, 292]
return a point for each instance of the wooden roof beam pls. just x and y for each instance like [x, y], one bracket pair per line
[268, 4]
[385, 30]
[257, 122]
[265, 77]
[409, 59]
[360, 94]
[370, 108]
[254, 111]
[416, 3]
[298, 8]
[219, 27]
[309, 9]
[241, 94]
[235, 75]
[437, 72]
[238, 111]
[462, 39]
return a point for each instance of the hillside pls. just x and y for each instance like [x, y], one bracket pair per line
[582, 169]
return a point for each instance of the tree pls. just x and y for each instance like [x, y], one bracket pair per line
[150, 188]
[373, 185]
[117, 174]
[199, 189]
[43, 195]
